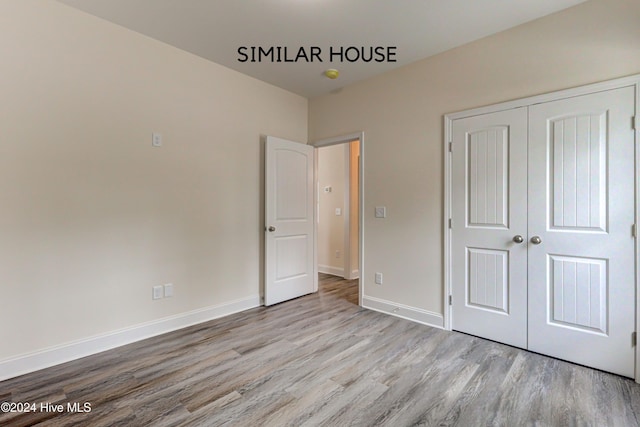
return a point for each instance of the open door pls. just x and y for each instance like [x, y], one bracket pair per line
[289, 220]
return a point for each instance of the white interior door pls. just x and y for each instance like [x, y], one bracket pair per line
[489, 226]
[581, 211]
[289, 216]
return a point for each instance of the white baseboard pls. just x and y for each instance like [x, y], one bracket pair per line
[327, 269]
[23, 364]
[404, 311]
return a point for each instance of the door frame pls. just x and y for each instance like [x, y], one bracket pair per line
[633, 81]
[342, 139]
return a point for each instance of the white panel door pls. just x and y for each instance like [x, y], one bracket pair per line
[489, 218]
[289, 216]
[581, 250]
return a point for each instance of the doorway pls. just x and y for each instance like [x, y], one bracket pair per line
[338, 207]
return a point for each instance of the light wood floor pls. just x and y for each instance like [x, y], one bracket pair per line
[320, 360]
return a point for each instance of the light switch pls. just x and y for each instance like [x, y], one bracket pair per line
[156, 139]
[381, 212]
[338, 211]
[168, 290]
[327, 189]
[157, 292]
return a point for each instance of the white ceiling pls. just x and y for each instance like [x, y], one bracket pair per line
[215, 29]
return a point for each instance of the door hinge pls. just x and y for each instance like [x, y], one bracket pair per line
[451, 147]
[634, 123]
[450, 223]
[633, 339]
[633, 231]
[450, 300]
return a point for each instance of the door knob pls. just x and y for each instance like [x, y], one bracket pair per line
[536, 240]
[518, 238]
[271, 228]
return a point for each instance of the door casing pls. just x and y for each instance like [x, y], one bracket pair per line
[633, 81]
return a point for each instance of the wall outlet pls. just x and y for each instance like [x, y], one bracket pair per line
[338, 211]
[379, 278]
[158, 292]
[168, 290]
[337, 254]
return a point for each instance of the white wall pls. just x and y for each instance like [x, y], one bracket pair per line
[401, 114]
[331, 173]
[91, 216]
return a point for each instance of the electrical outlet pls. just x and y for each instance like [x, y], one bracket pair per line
[168, 290]
[337, 254]
[158, 292]
[379, 278]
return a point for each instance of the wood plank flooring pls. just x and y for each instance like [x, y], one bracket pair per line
[321, 360]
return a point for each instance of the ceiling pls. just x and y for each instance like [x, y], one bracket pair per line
[215, 29]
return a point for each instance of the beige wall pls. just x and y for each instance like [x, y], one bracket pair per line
[331, 173]
[91, 216]
[401, 114]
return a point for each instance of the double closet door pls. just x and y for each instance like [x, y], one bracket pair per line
[542, 242]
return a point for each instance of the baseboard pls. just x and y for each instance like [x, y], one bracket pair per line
[30, 362]
[327, 269]
[404, 311]
[355, 274]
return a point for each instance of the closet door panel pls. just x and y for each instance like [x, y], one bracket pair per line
[581, 263]
[489, 198]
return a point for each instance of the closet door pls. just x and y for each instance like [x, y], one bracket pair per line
[489, 226]
[581, 274]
